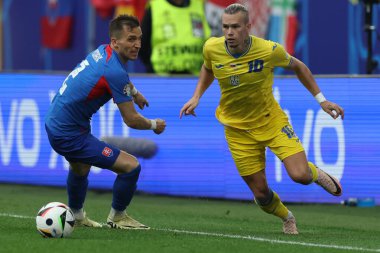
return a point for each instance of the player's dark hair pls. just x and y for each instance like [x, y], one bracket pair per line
[118, 23]
[235, 8]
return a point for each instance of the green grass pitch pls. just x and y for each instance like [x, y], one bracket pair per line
[187, 225]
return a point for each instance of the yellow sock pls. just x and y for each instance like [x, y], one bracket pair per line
[314, 171]
[275, 207]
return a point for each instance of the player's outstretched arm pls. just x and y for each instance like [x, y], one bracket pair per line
[135, 120]
[306, 78]
[205, 79]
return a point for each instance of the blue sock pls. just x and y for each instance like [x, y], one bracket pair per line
[123, 189]
[76, 189]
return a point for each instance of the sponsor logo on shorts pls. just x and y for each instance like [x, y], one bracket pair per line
[107, 152]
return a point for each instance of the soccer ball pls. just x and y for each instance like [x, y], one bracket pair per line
[56, 220]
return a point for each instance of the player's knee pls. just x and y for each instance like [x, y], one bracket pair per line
[130, 165]
[125, 164]
[134, 164]
[80, 170]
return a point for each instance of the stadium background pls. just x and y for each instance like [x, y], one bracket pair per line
[193, 159]
[328, 35]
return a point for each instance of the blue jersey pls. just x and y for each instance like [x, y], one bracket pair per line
[97, 79]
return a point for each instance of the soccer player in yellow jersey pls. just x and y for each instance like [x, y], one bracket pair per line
[252, 118]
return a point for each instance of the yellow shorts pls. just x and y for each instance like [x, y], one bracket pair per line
[248, 147]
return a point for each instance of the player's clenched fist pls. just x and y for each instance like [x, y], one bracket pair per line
[161, 124]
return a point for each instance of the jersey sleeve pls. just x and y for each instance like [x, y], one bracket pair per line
[206, 55]
[279, 57]
[119, 86]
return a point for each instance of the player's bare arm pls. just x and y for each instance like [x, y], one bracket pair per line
[306, 78]
[206, 77]
[135, 120]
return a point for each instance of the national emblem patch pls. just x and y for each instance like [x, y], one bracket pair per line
[107, 152]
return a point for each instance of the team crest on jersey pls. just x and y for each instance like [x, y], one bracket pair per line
[127, 89]
[107, 152]
[235, 80]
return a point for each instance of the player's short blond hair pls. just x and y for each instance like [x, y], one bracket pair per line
[235, 8]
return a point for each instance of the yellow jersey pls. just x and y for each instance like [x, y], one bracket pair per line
[246, 81]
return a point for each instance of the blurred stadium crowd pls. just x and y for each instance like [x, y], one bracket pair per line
[327, 35]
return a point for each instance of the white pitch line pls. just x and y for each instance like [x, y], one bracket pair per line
[16, 216]
[234, 236]
[260, 239]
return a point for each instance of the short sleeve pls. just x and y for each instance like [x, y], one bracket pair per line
[279, 57]
[206, 56]
[120, 87]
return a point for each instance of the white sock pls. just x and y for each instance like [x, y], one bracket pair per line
[78, 213]
[290, 215]
[115, 212]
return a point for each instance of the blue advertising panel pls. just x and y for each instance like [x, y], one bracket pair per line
[193, 157]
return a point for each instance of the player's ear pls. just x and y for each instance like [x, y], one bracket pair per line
[249, 25]
[114, 43]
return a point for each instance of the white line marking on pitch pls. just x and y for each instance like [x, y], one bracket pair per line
[260, 239]
[232, 236]
[16, 216]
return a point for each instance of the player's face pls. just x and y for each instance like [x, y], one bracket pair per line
[236, 31]
[129, 44]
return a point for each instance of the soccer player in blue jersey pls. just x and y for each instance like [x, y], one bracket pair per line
[97, 79]
[252, 118]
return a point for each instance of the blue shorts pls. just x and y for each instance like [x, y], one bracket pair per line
[85, 148]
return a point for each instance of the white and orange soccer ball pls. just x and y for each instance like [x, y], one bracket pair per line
[55, 220]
